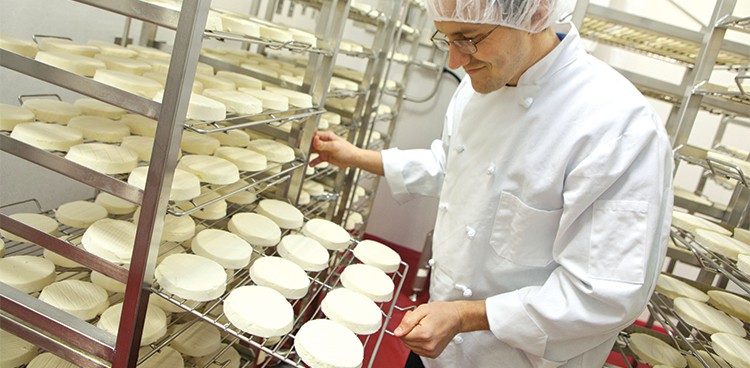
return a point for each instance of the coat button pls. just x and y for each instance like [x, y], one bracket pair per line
[460, 148]
[458, 340]
[470, 232]
[431, 262]
[491, 169]
[467, 293]
[526, 102]
[443, 206]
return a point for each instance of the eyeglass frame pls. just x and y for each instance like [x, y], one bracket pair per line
[467, 46]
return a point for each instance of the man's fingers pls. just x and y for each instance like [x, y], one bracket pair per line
[411, 319]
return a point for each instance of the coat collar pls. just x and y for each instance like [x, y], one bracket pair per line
[562, 55]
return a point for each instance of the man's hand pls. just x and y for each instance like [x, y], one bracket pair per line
[340, 152]
[428, 329]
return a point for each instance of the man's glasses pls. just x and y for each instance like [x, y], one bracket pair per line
[466, 46]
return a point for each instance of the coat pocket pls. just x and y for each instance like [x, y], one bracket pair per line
[618, 241]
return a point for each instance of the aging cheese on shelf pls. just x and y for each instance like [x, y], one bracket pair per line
[743, 263]
[191, 277]
[235, 24]
[258, 230]
[49, 360]
[185, 185]
[52, 111]
[50, 137]
[235, 101]
[733, 349]
[140, 125]
[377, 255]
[79, 298]
[114, 205]
[35, 220]
[270, 100]
[240, 80]
[228, 356]
[165, 357]
[297, 99]
[240, 196]
[135, 84]
[161, 77]
[282, 213]
[355, 219]
[325, 343]
[81, 65]
[731, 304]
[691, 223]
[211, 82]
[15, 351]
[210, 169]
[80, 214]
[331, 235]
[169, 307]
[65, 45]
[706, 318]
[368, 280]
[313, 187]
[227, 249]
[273, 150]
[125, 65]
[213, 211]
[280, 274]
[721, 244]
[90, 106]
[100, 129]
[245, 159]
[142, 146]
[104, 158]
[150, 52]
[108, 283]
[110, 239]
[199, 144]
[306, 252]
[108, 48]
[654, 351]
[154, 326]
[674, 288]
[176, 228]
[233, 138]
[18, 45]
[28, 274]
[201, 107]
[196, 340]
[353, 310]
[259, 310]
[713, 360]
[10, 116]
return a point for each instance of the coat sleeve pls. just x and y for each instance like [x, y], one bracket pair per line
[609, 250]
[414, 172]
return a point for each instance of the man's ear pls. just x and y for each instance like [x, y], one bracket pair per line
[541, 16]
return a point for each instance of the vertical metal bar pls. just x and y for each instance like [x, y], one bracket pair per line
[579, 13]
[126, 32]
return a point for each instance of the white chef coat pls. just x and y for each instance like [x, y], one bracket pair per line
[555, 204]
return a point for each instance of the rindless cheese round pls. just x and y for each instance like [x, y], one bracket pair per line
[165, 357]
[169, 307]
[66, 45]
[674, 288]
[149, 52]
[52, 111]
[140, 125]
[331, 235]
[125, 65]
[368, 280]
[235, 24]
[15, 351]
[713, 360]
[353, 310]
[200, 107]
[722, 244]
[154, 326]
[240, 80]
[654, 351]
[733, 349]
[100, 129]
[235, 101]
[110, 239]
[297, 99]
[691, 223]
[243, 193]
[270, 100]
[353, 220]
[35, 220]
[104, 158]
[28, 274]
[258, 230]
[233, 138]
[107, 282]
[215, 83]
[175, 229]
[191, 277]
[51, 137]
[313, 187]
[185, 185]
[327, 344]
[259, 310]
[79, 298]
[132, 83]
[275, 34]
[227, 249]
[108, 48]
[196, 340]
[210, 169]
[743, 263]
[213, 211]
[78, 64]
[229, 358]
[49, 360]
[142, 146]
[115, 205]
[742, 235]
[10, 116]
[60, 260]
[306, 252]
[93, 107]
[273, 150]
[282, 213]
[378, 255]
[80, 214]
[245, 159]
[18, 45]
[282, 275]
[199, 144]
[706, 318]
[732, 304]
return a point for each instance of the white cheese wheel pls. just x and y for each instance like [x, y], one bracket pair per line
[157, 65]
[305, 37]
[165, 357]
[161, 77]
[297, 99]
[60, 260]
[142, 146]
[191, 277]
[733, 349]
[110, 239]
[108, 48]
[10, 116]
[196, 340]
[229, 358]
[275, 34]
[150, 52]
[210, 169]
[227, 249]
[304, 198]
[655, 351]
[81, 65]
[721, 244]
[107, 282]
[80, 214]
[733, 161]
[213, 211]
[204, 69]
[169, 307]
[273, 150]
[713, 360]
[245, 159]
[52, 111]
[691, 223]
[49, 360]
[240, 80]
[368, 280]
[331, 235]
[259, 310]
[28, 274]
[211, 82]
[185, 185]
[100, 129]
[90, 106]
[282, 275]
[17, 45]
[258, 230]
[706, 318]
[270, 100]
[235, 101]
[332, 117]
[282, 213]
[135, 84]
[296, 80]
[243, 193]
[80, 298]
[65, 45]
[154, 326]
[327, 344]
[125, 65]
[353, 310]
[167, 249]
[378, 255]
[15, 351]
[51, 137]
[674, 288]
[306, 252]
[742, 235]
[176, 228]
[140, 125]
[235, 24]
[743, 263]
[201, 107]
[321, 165]
[353, 220]
[313, 187]
[115, 205]
[234, 138]
[199, 144]
[35, 220]
[732, 304]
[104, 158]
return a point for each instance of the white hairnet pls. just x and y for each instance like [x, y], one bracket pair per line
[526, 15]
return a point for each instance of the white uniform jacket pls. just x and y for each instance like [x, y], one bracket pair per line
[555, 205]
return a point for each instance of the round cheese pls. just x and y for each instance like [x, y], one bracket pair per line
[17, 45]
[80, 214]
[176, 228]
[304, 37]
[256, 229]
[79, 298]
[154, 325]
[115, 205]
[713, 360]
[92, 107]
[733, 349]
[721, 244]
[259, 310]
[104, 158]
[229, 358]
[191, 277]
[60, 260]
[201, 107]
[140, 125]
[52, 111]
[125, 65]
[28, 274]
[235, 101]
[15, 351]
[165, 357]
[51, 137]
[353, 220]
[282, 275]
[674, 288]
[142, 146]
[353, 310]
[732, 161]
[325, 343]
[234, 138]
[227, 249]
[132, 83]
[235, 24]
[169, 307]
[106, 282]
[377, 255]
[243, 194]
[157, 65]
[81, 65]
[297, 99]
[313, 187]
[691, 223]
[275, 34]
[270, 100]
[306, 252]
[304, 198]
[732, 304]
[210, 169]
[240, 80]
[100, 129]
[244, 159]
[213, 211]
[35, 220]
[706, 318]
[368, 280]
[10, 116]
[742, 235]
[150, 52]
[331, 235]
[210, 82]
[108, 48]
[273, 150]
[65, 45]
[110, 239]
[655, 351]
[199, 144]
[49, 360]
[196, 340]
[282, 213]
[185, 185]
[743, 263]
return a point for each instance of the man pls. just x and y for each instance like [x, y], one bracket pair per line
[554, 178]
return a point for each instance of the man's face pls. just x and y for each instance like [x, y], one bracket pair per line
[500, 59]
